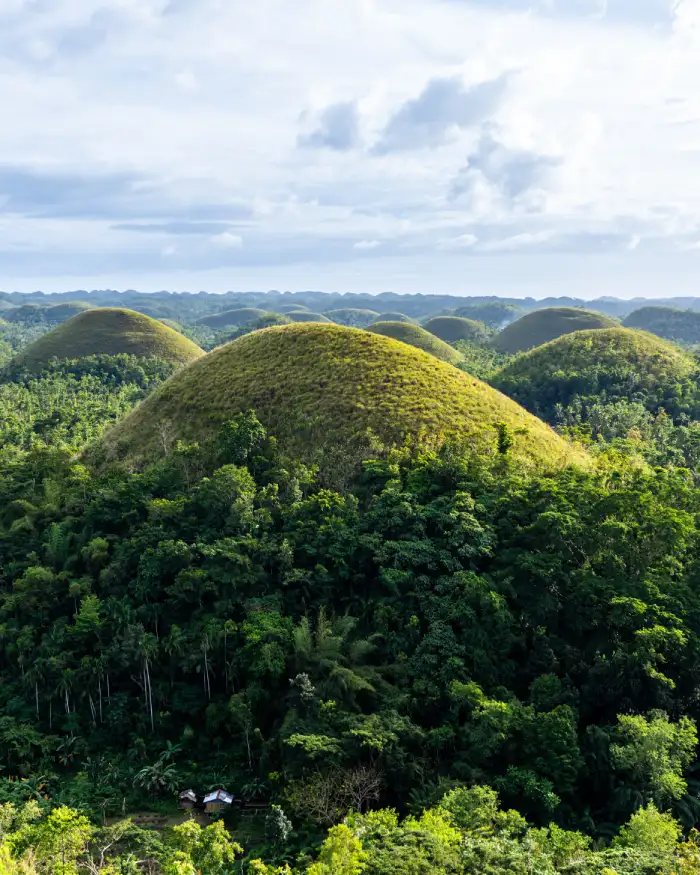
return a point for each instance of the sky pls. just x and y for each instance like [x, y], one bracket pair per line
[516, 147]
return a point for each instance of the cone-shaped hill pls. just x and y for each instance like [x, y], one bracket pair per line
[322, 390]
[454, 328]
[62, 312]
[609, 364]
[109, 331]
[306, 316]
[416, 336]
[393, 317]
[352, 317]
[239, 316]
[541, 326]
[669, 322]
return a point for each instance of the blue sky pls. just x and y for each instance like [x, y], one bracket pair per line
[477, 146]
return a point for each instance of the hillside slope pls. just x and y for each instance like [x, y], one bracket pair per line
[238, 316]
[670, 323]
[607, 364]
[109, 331]
[454, 328]
[418, 337]
[541, 326]
[321, 389]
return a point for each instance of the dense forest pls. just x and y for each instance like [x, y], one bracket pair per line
[460, 659]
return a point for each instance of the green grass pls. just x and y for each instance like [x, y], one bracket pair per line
[61, 312]
[671, 323]
[109, 331]
[322, 390]
[414, 335]
[541, 326]
[613, 363]
[352, 317]
[394, 317]
[239, 316]
[454, 328]
[306, 316]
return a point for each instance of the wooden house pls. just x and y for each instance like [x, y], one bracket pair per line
[217, 801]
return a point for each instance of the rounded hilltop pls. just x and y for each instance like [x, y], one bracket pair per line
[454, 328]
[237, 317]
[62, 312]
[327, 392]
[352, 317]
[109, 331]
[414, 335]
[394, 317]
[306, 316]
[541, 326]
[669, 322]
[611, 363]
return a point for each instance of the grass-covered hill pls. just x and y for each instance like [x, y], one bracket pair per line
[454, 328]
[239, 316]
[62, 312]
[306, 316]
[393, 317]
[290, 308]
[352, 317]
[607, 364]
[495, 314]
[322, 390]
[541, 326]
[416, 336]
[26, 313]
[671, 323]
[109, 331]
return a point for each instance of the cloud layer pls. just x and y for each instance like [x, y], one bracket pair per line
[404, 144]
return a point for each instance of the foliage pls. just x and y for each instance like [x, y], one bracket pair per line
[72, 402]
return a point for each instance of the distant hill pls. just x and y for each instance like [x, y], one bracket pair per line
[109, 331]
[239, 316]
[416, 336]
[605, 364]
[668, 322]
[323, 391]
[393, 317]
[495, 314]
[305, 316]
[352, 317]
[541, 326]
[61, 312]
[26, 314]
[454, 328]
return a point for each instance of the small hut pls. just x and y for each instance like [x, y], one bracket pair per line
[217, 801]
[187, 800]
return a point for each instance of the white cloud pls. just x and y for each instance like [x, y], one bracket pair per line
[463, 241]
[228, 240]
[137, 126]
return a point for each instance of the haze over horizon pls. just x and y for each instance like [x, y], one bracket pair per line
[515, 147]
